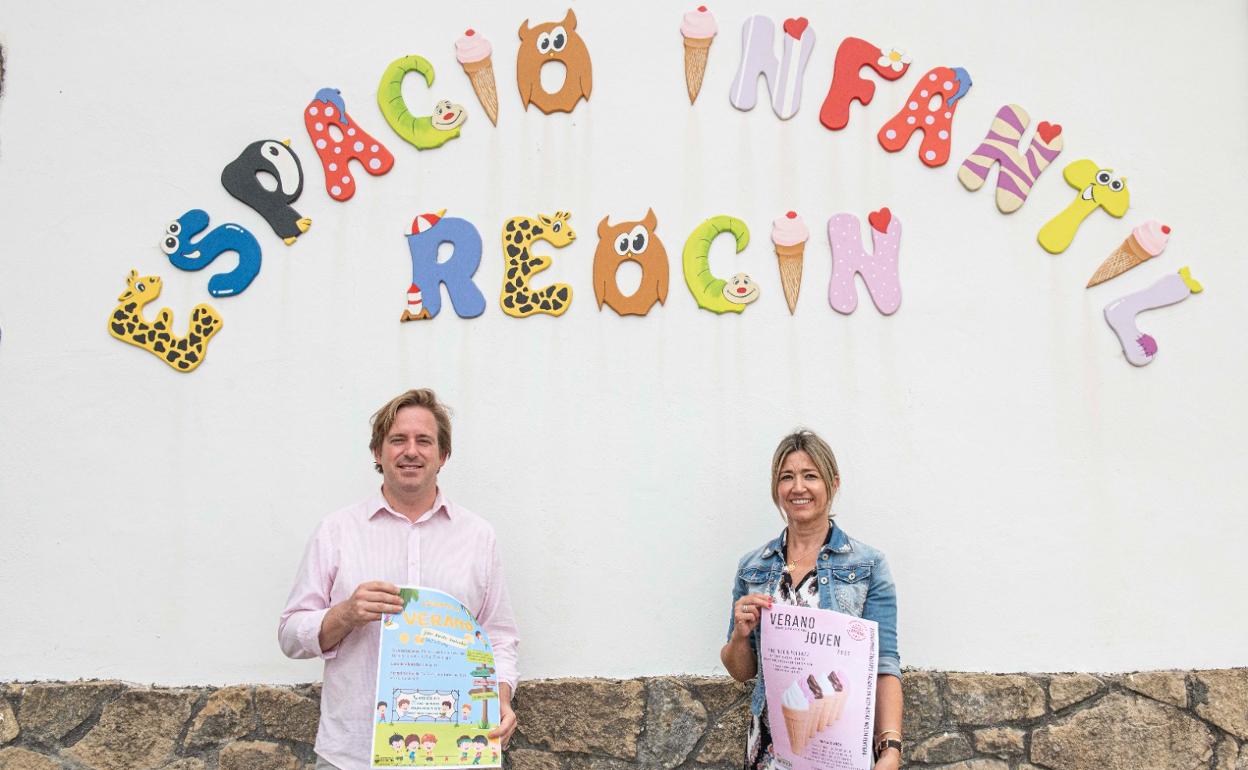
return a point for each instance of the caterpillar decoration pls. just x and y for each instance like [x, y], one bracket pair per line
[711, 293]
[426, 132]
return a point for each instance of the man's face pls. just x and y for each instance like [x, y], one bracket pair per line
[409, 456]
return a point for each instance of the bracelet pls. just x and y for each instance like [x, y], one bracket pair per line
[882, 733]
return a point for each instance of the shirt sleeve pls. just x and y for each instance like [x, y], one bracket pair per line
[499, 622]
[299, 628]
[881, 606]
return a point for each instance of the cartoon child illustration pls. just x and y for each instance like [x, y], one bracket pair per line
[464, 743]
[381, 711]
[479, 743]
[400, 708]
[445, 716]
[411, 743]
[494, 750]
[396, 743]
[478, 639]
[428, 742]
[466, 713]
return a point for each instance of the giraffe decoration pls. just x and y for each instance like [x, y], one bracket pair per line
[518, 299]
[181, 353]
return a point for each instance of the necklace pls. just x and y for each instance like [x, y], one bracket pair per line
[791, 565]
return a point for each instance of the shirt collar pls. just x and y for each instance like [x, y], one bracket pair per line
[377, 504]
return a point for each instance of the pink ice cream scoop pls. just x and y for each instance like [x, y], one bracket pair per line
[698, 23]
[789, 230]
[1152, 236]
[472, 47]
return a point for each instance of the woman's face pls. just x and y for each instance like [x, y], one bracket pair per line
[803, 494]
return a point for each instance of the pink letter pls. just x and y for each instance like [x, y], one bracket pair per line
[878, 270]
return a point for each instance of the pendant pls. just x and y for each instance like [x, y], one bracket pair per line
[789, 567]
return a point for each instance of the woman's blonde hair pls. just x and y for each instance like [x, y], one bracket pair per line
[383, 419]
[803, 440]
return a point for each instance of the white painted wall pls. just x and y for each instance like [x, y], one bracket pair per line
[1045, 505]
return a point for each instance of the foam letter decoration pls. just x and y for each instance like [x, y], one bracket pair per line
[620, 243]
[186, 255]
[518, 299]
[789, 234]
[1098, 188]
[848, 83]
[917, 113]
[698, 28]
[181, 353]
[1018, 172]
[878, 269]
[553, 41]
[427, 131]
[325, 110]
[429, 231]
[711, 293]
[474, 52]
[1140, 348]
[277, 159]
[1145, 242]
[784, 76]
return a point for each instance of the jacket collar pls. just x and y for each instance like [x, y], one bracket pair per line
[838, 542]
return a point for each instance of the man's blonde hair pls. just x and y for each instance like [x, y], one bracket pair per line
[803, 440]
[383, 419]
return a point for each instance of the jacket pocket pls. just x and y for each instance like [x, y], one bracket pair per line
[849, 587]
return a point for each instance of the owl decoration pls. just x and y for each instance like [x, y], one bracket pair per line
[553, 41]
[620, 243]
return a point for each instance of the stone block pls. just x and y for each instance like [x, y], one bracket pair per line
[14, 758]
[1069, 689]
[675, 722]
[137, 731]
[974, 764]
[923, 713]
[1124, 732]
[49, 712]
[987, 699]
[190, 763]
[725, 738]
[8, 723]
[583, 716]
[228, 715]
[1228, 754]
[287, 715]
[946, 747]
[528, 759]
[1165, 686]
[253, 755]
[1000, 741]
[1225, 701]
[717, 693]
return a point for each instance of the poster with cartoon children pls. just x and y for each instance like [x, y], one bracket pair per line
[437, 694]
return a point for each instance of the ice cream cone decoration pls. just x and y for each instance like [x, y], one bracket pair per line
[1145, 242]
[473, 52]
[698, 28]
[797, 717]
[789, 233]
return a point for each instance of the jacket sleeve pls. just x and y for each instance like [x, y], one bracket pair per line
[881, 606]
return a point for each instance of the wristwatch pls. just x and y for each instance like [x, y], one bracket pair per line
[885, 745]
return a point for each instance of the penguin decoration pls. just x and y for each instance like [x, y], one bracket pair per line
[276, 159]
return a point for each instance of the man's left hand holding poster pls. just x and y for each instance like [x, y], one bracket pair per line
[407, 533]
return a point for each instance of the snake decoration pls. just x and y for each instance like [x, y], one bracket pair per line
[711, 293]
[186, 255]
[425, 132]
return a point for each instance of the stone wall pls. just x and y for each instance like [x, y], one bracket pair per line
[1168, 720]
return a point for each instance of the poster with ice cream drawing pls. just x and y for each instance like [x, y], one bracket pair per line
[819, 667]
[437, 694]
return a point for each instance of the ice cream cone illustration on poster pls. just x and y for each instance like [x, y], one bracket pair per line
[819, 668]
[437, 693]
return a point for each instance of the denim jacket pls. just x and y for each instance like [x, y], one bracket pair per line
[853, 578]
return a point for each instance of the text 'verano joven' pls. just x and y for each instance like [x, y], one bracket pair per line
[805, 623]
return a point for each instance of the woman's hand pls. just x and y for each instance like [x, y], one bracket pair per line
[746, 613]
[889, 760]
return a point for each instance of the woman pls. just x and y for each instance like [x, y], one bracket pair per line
[813, 563]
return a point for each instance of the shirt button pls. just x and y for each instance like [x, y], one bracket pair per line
[851, 576]
[823, 580]
[825, 557]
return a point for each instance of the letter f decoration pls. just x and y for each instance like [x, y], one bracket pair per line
[1098, 188]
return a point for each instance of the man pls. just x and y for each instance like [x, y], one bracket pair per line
[408, 533]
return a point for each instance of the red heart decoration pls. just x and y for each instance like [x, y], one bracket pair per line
[1048, 130]
[880, 219]
[795, 27]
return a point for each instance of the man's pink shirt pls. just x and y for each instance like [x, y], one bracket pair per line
[448, 548]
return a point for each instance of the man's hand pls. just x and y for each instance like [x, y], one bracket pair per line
[507, 718]
[368, 602]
